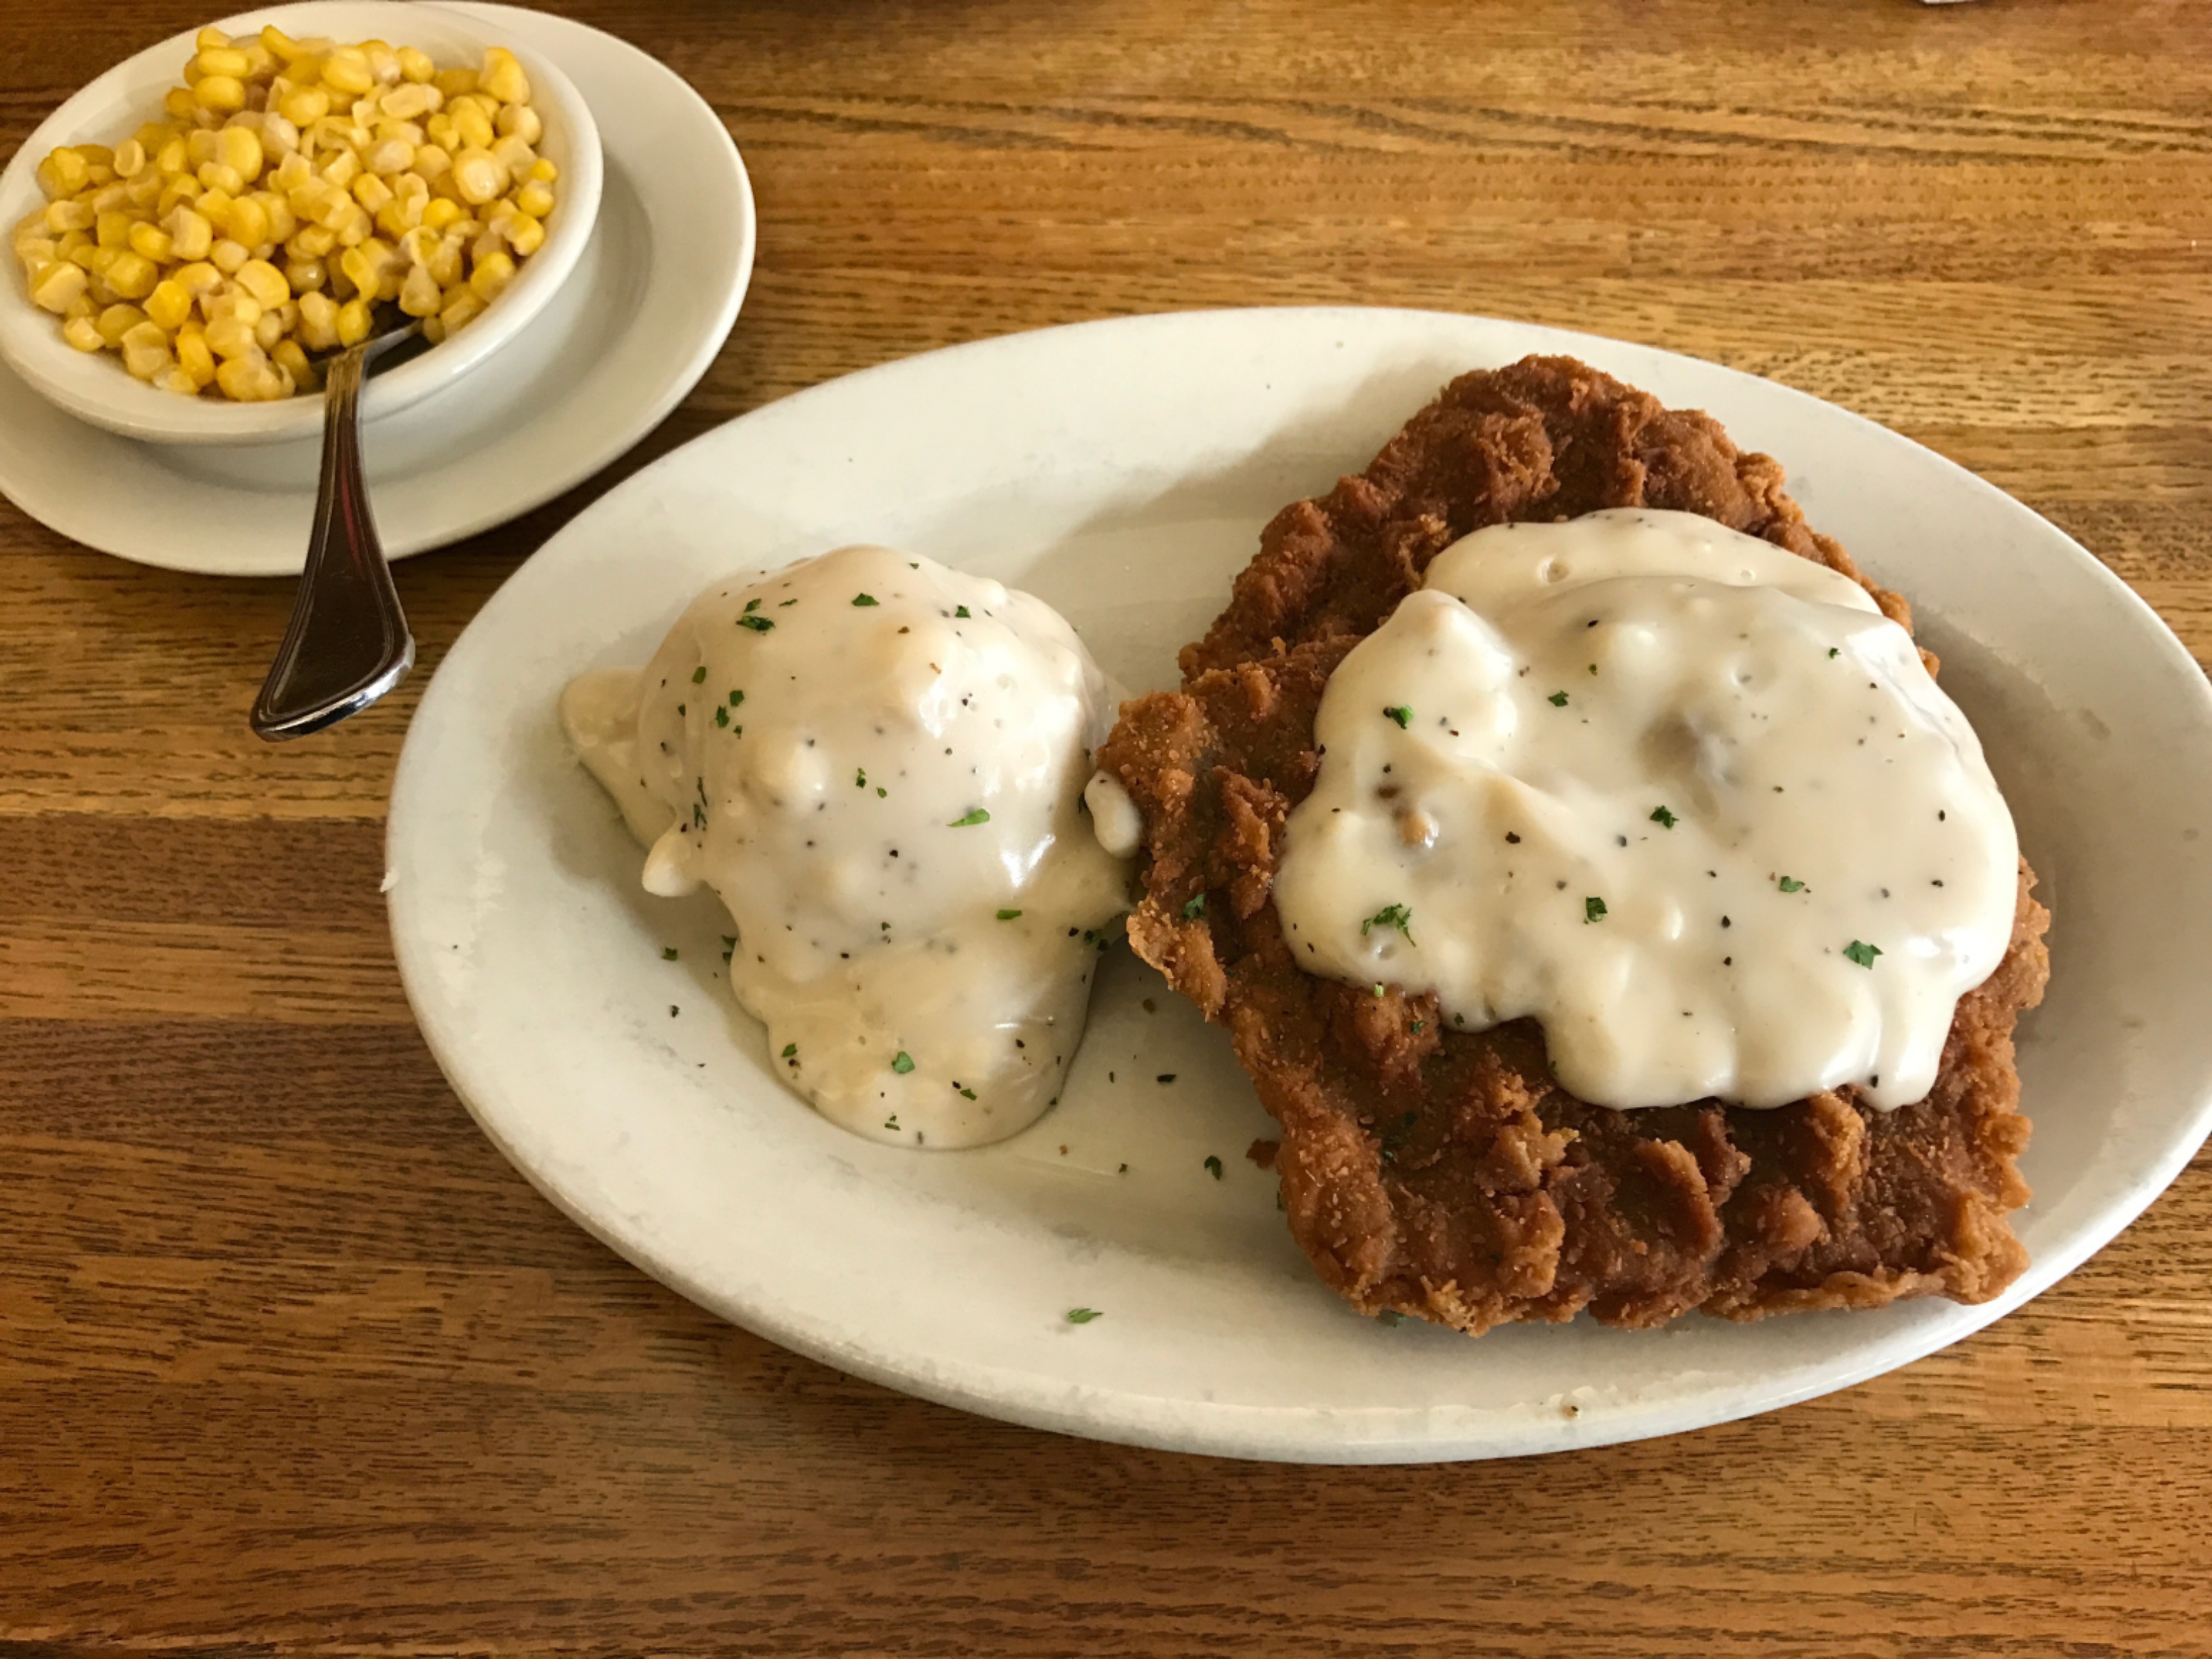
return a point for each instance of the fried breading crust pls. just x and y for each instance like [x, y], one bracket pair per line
[1448, 1175]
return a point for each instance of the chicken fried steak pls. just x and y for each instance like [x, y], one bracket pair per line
[1446, 1173]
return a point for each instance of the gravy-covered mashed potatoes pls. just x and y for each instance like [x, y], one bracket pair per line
[1690, 801]
[877, 763]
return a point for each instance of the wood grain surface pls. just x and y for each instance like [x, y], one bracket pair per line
[291, 1361]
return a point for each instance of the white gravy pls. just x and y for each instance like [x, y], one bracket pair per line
[1688, 800]
[877, 764]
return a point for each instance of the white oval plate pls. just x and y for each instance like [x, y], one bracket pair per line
[1122, 471]
[635, 324]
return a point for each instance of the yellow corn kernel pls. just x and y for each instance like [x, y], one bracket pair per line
[283, 221]
[417, 247]
[472, 128]
[248, 380]
[340, 169]
[180, 102]
[173, 378]
[61, 217]
[294, 170]
[82, 333]
[195, 357]
[502, 76]
[525, 234]
[281, 46]
[265, 283]
[196, 278]
[227, 256]
[371, 192]
[63, 172]
[411, 102]
[260, 62]
[240, 149]
[520, 121]
[543, 171]
[57, 285]
[479, 176]
[364, 267]
[210, 39]
[268, 329]
[419, 295]
[460, 306]
[442, 214]
[201, 147]
[102, 258]
[431, 161]
[113, 229]
[415, 66]
[534, 200]
[439, 129]
[352, 324]
[434, 330]
[288, 355]
[356, 226]
[224, 60]
[117, 321]
[192, 232]
[304, 276]
[169, 306]
[444, 263]
[312, 242]
[109, 198]
[346, 71]
[231, 304]
[152, 242]
[279, 137]
[225, 95]
[249, 222]
[83, 306]
[169, 159]
[178, 192]
[145, 349]
[231, 337]
[216, 175]
[144, 191]
[83, 256]
[305, 106]
[399, 216]
[130, 159]
[390, 155]
[319, 321]
[514, 156]
[455, 82]
[491, 276]
[132, 275]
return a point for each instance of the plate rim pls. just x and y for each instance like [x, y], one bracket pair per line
[1118, 1415]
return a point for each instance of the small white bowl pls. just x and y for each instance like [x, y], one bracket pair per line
[93, 386]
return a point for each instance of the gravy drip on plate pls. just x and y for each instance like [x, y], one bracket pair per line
[877, 763]
[1689, 801]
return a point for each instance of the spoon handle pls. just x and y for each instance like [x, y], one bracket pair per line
[348, 643]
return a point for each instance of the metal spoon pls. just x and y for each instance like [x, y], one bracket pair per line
[348, 643]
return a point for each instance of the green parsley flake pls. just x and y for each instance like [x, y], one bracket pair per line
[962, 611]
[1391, 1317]
[1862, 953]
[1214, 1166]
[1593, 668]
[1403, 715]
[891, 1123]
[736, 697]
[1833, 650]
[864, 599]
[1790, 884]
[1392, 916]
[1593, 909]
[758, 624]
[859, 779]
[1558, 700]
[751, 605]
[699, 675]
[967, 1094]
[880, 790]
[1084, 1316]
[1378, 988]
[979, 815]
[791, 1051]
[901, 1062]
[668, 953]
[1008, 915]
[721, 715]
[1663, 818]
[1193, 908]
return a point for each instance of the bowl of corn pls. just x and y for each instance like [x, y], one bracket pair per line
[194, 233]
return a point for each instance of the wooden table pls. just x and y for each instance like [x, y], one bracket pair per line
[291, 1360]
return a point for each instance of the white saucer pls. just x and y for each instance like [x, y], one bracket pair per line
[635, 325]
[1121, 471]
